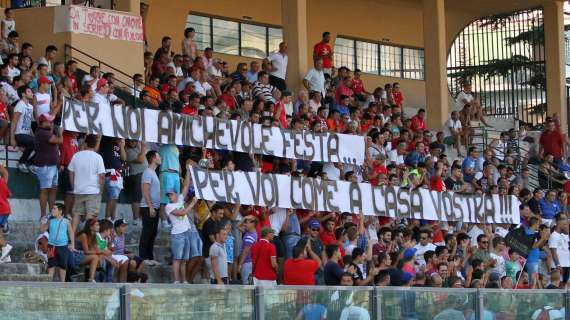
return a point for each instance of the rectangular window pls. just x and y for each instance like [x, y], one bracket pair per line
[226, 36]
[275, 37]
[253, 41]
[377, 58]
[344, 53]
[202, 27]
[413, 64]
[390, 61]
[234, 37]
[367, 57]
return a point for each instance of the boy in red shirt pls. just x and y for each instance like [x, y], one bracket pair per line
[5, 209]
[358, 86]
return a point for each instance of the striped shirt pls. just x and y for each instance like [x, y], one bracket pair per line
[264, 91]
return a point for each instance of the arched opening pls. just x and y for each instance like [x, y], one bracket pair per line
[503, 58]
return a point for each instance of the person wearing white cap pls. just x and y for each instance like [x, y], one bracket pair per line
[47, 160]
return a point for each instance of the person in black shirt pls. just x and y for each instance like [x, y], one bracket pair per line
[333, 271]
[210, 227]
[534, 203]
[455, 182]
[113, 152]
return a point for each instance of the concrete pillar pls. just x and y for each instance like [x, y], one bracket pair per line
[435, 47]
[132, 6]
[555, 62]
[294, 18]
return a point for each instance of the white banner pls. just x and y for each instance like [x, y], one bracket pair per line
[98, 22]
[284, 191]
[167, 127]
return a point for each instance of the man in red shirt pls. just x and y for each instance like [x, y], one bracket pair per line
[300, 270]
[327, 234]
[398, 96]
[264, 258]
[71, 68]
[551, 141]
[193, 105]
[418, 121]
[323, 50]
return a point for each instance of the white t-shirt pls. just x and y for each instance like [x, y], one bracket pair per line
[559, 241]
[180, 224]
[13, 72]
[354, 312]
[100, 99]
[43, 103]
[463, 98]
[316, 81]
[87, 166]
[279, 62]
[499, 264]
[214, 72]
[24, 125]
[87, 78]
[9, 26]
[421, 250]
[396, 158]
[11, 93]
[333, 173]
[277, 219]
[182, 84]
[450, 124]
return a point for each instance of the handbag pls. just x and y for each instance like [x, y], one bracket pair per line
[51, 249]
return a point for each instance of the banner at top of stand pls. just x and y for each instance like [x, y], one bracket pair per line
[157, 126]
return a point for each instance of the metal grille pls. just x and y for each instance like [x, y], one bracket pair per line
[503, 57]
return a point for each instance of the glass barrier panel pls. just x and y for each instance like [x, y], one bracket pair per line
[288, 302]
[191, 302]
[53, 301]
[523, 304]
[424, 304]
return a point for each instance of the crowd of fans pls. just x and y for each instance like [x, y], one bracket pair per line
[225, 243]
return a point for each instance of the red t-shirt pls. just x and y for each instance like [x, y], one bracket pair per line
[229, 100]
[282, 115]
[261, 254]
[327, 238]
[398, 98]
[3, 111]
[298, 272]
[436, 184]
[189, 110]
[321, 49]
[357, 86]
[4, 195]
[343, 90]
[418, 124]
[552, 143]
[377, 169]
[72, 79]
[68, 148]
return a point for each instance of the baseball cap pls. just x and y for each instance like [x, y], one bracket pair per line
[266, 230]
[314, 224]
[119, 223]
[410, 253]
[44, 80]
[169, 191]
[46, 117]
[101, 83]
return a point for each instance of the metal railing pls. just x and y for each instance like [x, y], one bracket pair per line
[27, 300]
[86, 61]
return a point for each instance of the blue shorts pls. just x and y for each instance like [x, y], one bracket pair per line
[195, 244]
[113, 192]
[3, 220]
[168, 181]
[48, 177]
[180, 246]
